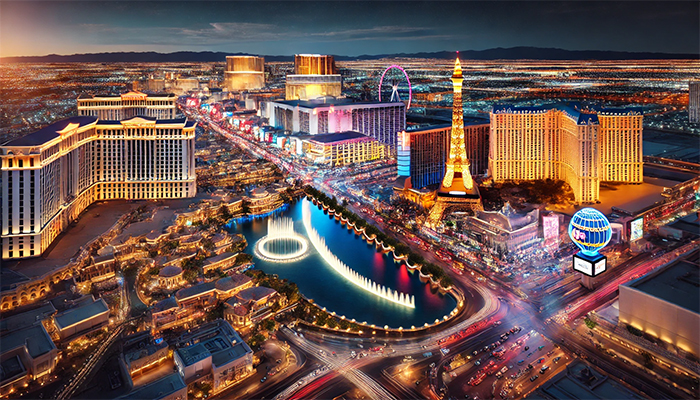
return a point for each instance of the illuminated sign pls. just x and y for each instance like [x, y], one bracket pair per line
[590, 231]
[550, 227]
[637, 229]
[583, 266]
[599, 267]
[590, 267]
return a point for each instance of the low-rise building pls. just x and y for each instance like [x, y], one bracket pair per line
[231, 285]
[142, 353]
[167, 314]
[202, 295]
[581, 381]
[251, 305]
[213, 352]
[26, 350]
[102, 268]
[222, 262]
[666, 303]
[171, 387]
[170, 277]
[506, 230]
[87, 317]
[262, 201]
[236, 313]
[343, 148]
[191, 302]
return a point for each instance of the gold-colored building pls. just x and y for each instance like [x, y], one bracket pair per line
[315, 76]
[314, 64]
[581, 146]
[128, 105]
[244, 73]
[343, 148]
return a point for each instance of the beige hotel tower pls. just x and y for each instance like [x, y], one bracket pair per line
[50, 176]
[583, 146]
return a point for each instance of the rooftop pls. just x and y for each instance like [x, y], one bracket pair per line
[35, 338]
[334, 102]
[50, 132]
[468, 121]
[582, 115]
[158, 389]
[255, 293]
[193, 354]
[9, 278]
[27, 318]
[690, 224]
[165, 304]
[93, 222]
[338, 137]
[219, 257]
[195, 290]
[232, 282]
[508, 219]
[118, 96]
[146, 349]
[11, 367]
[143, 117]
[170, 271]
[219, 339]
[678, 283]
[581, 381]
[81, 313]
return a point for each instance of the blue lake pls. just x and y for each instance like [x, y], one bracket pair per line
[319, 281]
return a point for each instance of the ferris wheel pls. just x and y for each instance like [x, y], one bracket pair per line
[397, 83]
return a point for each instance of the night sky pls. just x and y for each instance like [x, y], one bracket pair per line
[345, 27]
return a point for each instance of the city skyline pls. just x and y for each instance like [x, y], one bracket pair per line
[345, 28]
[380, 200]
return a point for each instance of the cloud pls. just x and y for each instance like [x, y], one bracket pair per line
[381, 32]
[237, 32]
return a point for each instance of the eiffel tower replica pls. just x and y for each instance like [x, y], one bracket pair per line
[457, 191]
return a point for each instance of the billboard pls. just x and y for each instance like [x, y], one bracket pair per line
[636, 229]
[583, 266]
[599, 267]
[550, 227]
[590, 267]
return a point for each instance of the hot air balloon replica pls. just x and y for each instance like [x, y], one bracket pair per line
[590, 231]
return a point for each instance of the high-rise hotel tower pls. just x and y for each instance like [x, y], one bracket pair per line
[127, 105]
[566, 141]
[50, 176]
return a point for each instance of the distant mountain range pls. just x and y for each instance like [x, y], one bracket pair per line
[499, 53]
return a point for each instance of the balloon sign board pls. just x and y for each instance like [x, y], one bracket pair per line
[590, 231]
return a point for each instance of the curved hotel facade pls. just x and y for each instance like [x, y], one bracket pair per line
[128, 105]
[582, 147]
[50, 176]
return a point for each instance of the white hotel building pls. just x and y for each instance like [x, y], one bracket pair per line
[382, 121]
[50, 176]
[127, 105]
[582, 147]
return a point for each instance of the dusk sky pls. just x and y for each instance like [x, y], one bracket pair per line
[350, 28]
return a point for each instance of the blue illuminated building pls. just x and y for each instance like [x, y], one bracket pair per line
[422, 152]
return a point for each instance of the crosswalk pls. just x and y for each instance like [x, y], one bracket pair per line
[346, 366]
